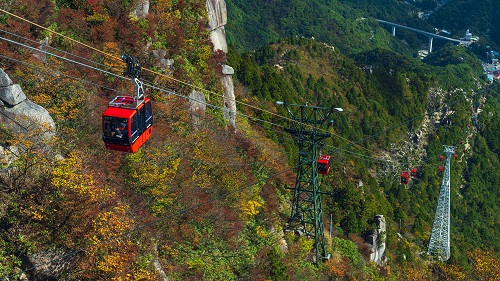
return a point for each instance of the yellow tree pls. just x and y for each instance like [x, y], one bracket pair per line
[485, 264]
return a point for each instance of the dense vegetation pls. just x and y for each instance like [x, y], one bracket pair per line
[350, 24]
[204, 202]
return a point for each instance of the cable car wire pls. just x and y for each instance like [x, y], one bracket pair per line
[350, 144]
[402, 124]
[221, 108]
[54, 73]
[169, 77]
[53, 48]
[146, 84]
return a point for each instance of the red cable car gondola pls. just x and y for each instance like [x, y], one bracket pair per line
[128, 121]
[324, 164]
[404, 177]
[413, 172]
[441, 169]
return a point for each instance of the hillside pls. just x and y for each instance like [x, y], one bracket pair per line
[202, 200]
[350, 24]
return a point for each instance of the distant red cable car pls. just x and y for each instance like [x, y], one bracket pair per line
[324, 164]
[128, 121]
[441, 157]
[404, 177]
[413, 172]
[456, 156]
[441, 169]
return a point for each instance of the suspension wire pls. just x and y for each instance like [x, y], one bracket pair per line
[111, 89]
[60, 57]
[221, 108]
[153, 86]
[352, 143]
[177, 80]
[53, 48]
[59, 74]
[487, 89]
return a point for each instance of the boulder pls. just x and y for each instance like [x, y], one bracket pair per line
[27, 116]
[12, 95]
[4, 79]
[20, 115]
[142, 9]
[227, 70]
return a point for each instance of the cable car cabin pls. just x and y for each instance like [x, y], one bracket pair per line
[413, 172]
[324, 164]
[127, 124]
[441, 169]
[404, 177]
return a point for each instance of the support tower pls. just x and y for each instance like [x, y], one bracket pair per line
[306, 217]
[439, 244]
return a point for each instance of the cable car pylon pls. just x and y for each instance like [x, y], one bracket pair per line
[307, 215]
[439, 244]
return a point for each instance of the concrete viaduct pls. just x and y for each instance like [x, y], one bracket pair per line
[428, 34]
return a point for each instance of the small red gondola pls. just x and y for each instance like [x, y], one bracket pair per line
[413, 172]
[128, 121]
[405, 177]
[441, 169]
[324, 164]
[441, 157]
[456, 156]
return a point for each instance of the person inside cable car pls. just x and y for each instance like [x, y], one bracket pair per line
[118, 132]
[322, 168]
[115, 127]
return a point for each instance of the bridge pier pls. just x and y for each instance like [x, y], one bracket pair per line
[393, 30]
[430, 44]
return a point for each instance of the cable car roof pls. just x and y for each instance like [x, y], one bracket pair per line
[119, 112]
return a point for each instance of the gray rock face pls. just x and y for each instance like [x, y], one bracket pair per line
[12, 95]
[377, 241]
[229, 100]
[227, 70]
[218, 38]
[197, 106]
[217, 19]
[4, 79]
[27, 116]
[165, 64]
[142, 9]
[20, 115]
[217, 13]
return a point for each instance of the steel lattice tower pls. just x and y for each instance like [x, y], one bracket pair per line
[307, 215]
[439, 244]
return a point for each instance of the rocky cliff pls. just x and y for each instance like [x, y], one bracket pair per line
[217, 19]
[19, 115]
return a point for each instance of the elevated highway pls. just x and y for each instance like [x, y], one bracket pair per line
[428, 34]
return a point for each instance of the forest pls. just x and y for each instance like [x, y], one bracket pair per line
[202, 200]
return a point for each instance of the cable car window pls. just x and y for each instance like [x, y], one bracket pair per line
[140, 119]
[322, 167]
[115, 127]
[149, 114]
[135, 128]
